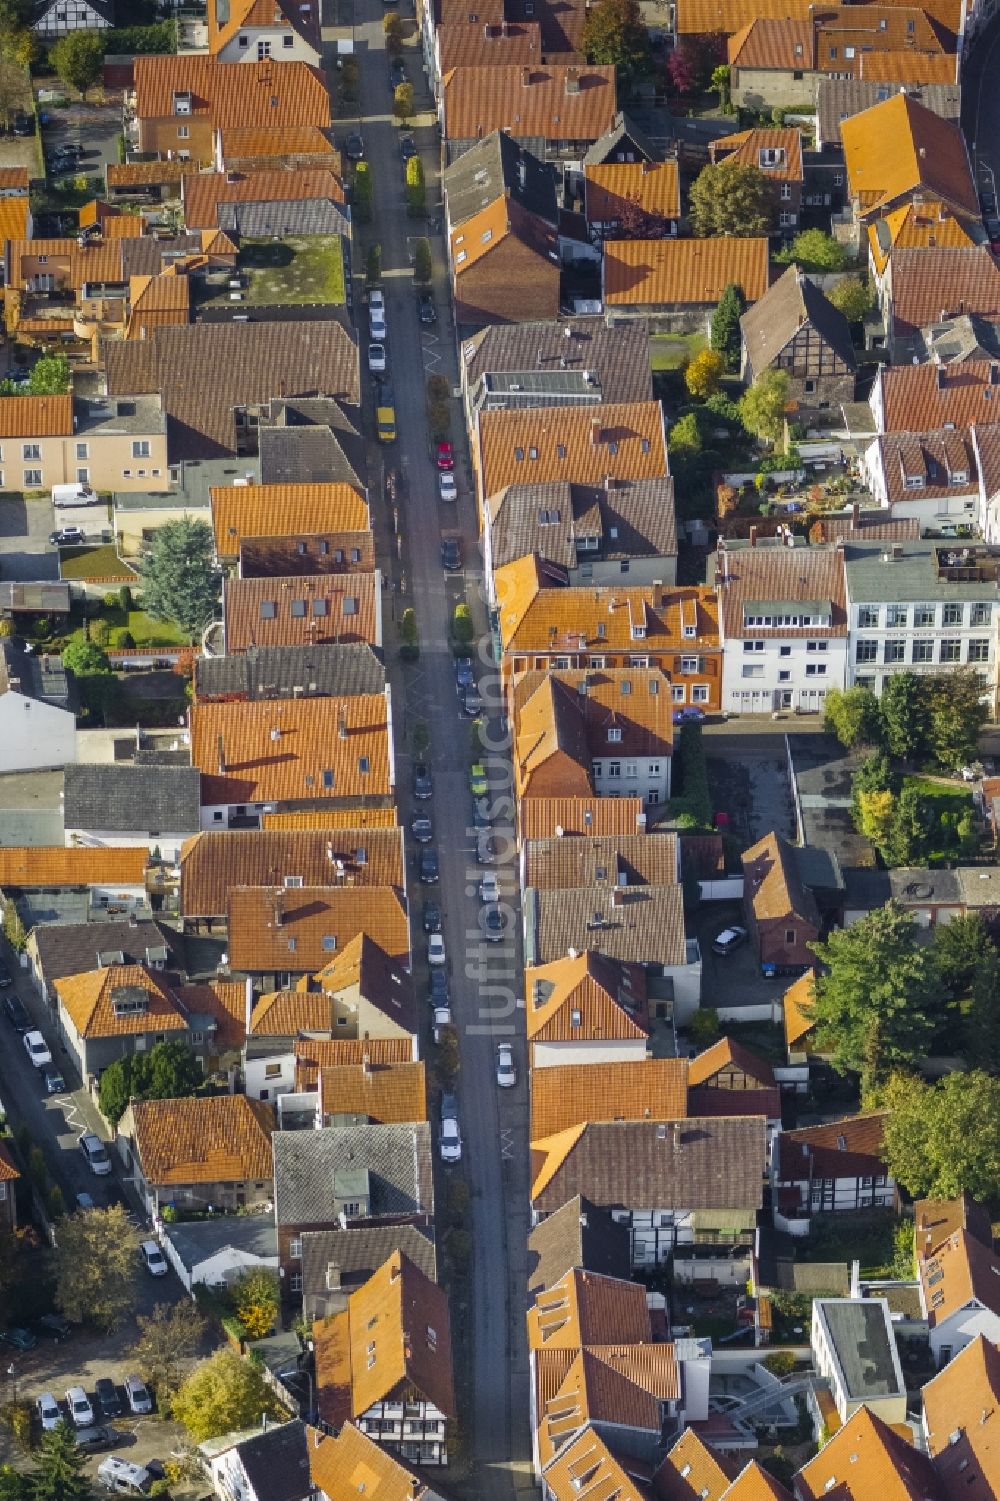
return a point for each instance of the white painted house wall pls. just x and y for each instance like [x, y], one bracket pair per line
[555, 1054]
[282, 43]
[952, 1335]
[760, 676]
[266, 1078]
[34, 735]
[169, 845]
[887, 638]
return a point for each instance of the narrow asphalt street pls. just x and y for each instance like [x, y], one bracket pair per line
[493, 1122]
[981, 106]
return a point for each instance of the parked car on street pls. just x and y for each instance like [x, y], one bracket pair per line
[37, 1049]
[729, 939]
[153, 1259]
[436, 955]
[54, 1081]
[16, 1014]
[428, 311]
[67, 536]
[99, 1437]
[95, 1153]
[506, 1072]
[451, 554]
[428, 867]
[447, 488]
[354, 147]
[690, 714]
[422, 829]
[423, 780]
[451, 1142]
[377, 362]
[432, 917]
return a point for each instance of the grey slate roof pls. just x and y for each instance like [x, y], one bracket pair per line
[38, 675]
[122, 798]
[639, 924]
[498, 166]
[360, 1251]
[793, 300]
[308, 441]
[616, 145]
[397, 1159]
[699, 1163]
[305, 216]
[617, 358]
[277, 1463]
[912, 576]
[278, 671]
[73, 948]
[254, 1234]
[578, 1235]
[967, 337]
[634, 519]
[838, 98]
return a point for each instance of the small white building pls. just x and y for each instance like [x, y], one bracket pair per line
[123, 805]
[268, 1464]
[244, 31]
[929, 477]
[854, 1347]
[37, 723]
[215, 1252]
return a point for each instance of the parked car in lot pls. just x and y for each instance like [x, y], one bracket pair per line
[428, 866]
[436, 955]
[451, 1142]
[107, 1395]
[79, 1408]
[19, 1339]
[100, 1436]
[506, 1072]
[137, 1395]
[729, 939]
[37, 1049]
[16, 1014]
[95, 1154]
[48, 1410]
[67, 536]
[121, 1477]
[153, 1259]
[54, 1326]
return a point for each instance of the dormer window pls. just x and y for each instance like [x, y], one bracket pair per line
[182, 103]
[771, 156]
[690, 631]
[638, 633]
[614, 735]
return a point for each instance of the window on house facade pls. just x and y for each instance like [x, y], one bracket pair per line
[699, 694]
[295, 1248]
[896, 615]
[868, 617]
[980, 614]
[895, 651]
[866, 651]
[951, 650]
[32, 479]
[952, 614]
[979, 650]
[923, 615]
[30, 451]
[923, 651]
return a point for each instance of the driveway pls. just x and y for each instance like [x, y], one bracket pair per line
[25, 525]
[92, 128]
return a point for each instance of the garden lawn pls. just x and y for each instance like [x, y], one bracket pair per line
[869, 1241]
[943, 798]
[96, 563]
[672, 351]
[149, 632]
[304, 269]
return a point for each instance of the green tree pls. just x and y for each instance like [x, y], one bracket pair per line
[224, 1394]
[875, 815]
[615, 35]
[852, 714]
[725, 334]
[59, 1474]
[960, 947]
[179, 580]
[415, 191]
[95, 1267]
[409, 637]
[168, 1071]
[169, 1337]
[685, 435]
[703, 376]
[392, 26]
[423, 265]
[851, 297]
[943, 1139]
[762, 407]
[958, 712]
[13, 928]
[50, 376]
[905, 718]
[911, 827]
[256, 1301]
[115, 1089]
[730, 198]
[78, 58]
[85, 659]
[877, 1002]
[814, 250]
[981, 1023]
[704, 1026]
[402, 105]
[721, 83]
[13, 1485]
[462, 627]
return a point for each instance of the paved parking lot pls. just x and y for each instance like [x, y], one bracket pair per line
[25, 527]
[748, 776]
[92, 128]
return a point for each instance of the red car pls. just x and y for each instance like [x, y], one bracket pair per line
[445, 457]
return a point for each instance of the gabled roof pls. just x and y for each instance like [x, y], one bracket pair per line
[8, 1171]
[213, 862]
[314, 1053]
[243, 511]
[572, 817]
[586, 1308]
[612, 860]
[773, 882]
[936, 1220]
[120, 1001]
[214, 1139]
[264, 93]
[643, 924]
[386, 1093]
[358, 1252]
[900, 147]
[36, 416]
[73, 948]
[613, 356]
[919, 226]
[692, 1471]
[783, 43]
[577, 1235]
[323, 749]
[274, 672]
[797, 1002]
[931, 463]
[575, 1093]
[554, 102]
[611, 189]
[793, 301]
[588, 1466]
[500, 220]
[848, 1147]
[353, 1466]
[755, 1484]
[919, 398]
[837, 99]
[299, 928]
[276, 1462]
[630, 518]
[624, 1386]
[472, 43]
[958, 1271]
[724, 1054]
[962, 1419]
[581, 444]
[622, 141]
[777, 152]
[288, 14]
[942, 280]
[685, 272]
[499, 168]
[397, 1160]
[124, 798]
[326, 609]
[202, 195]
[586, 998]
[768, 581]
[866, 1460]
[400, 1318]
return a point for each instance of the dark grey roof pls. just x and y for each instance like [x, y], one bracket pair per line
[818, 869]
[310, 441]
[122, 798]
[358, 1252]
[276, 1463]
[73, 948]
[498, 166]
[839, 98]
[305, 216]
[616, 144]
[253, 1234]
[39, 597]
[617, 358]
[967, 337]
[863, 1342]
[396, 1158]
[823, 773]
[285, 671]
[633, 519]
[36, 675]
[580, 1234]
[772, 321]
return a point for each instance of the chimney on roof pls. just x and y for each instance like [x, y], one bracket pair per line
[341, 722]
[279, 916]
[753, 536]
[940, 375]
[221, 754]
[595, 433]
[572, 80]
[855, 515]
[525, 77]
[366, 1066]
[994, 373]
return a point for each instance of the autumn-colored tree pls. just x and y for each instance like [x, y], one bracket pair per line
[727, 500]
[256, 1302]
[703, 376]
[875, 816]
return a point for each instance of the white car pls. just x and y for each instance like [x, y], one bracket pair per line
[96, 1154]
[506, 1072]
[447, 488]
[489, 887]
[376, 325]
[377, 363]
[451, 1142]
[48, 1411]
[137, 1395]
[376, 300]
[37, 1049]
[435, 950]
[154, 1259]
[80, 1409]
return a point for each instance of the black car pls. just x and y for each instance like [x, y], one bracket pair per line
[54, 1326]
[451, 554]
[428, 312]
[422, 829]
[16, 1014]
[107, 1394]
[67, 536]
[94, 1440]
[423, 781]
[480, 813]
[437, 991]
[397, 72]
[472, 704]
[354, 148]
[428, 866]
[407, 148]
[432, 917]
[988, 202]
[6, 978]
[53, 1081]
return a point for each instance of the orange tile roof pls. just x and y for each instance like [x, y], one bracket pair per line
[260, 94]
[291, 1013]
[935, 1220]
[711, 17]
[242, 511]
[563, 1097]
[542, 444]
[797, 1000]
[315, 1053]
[934, 281]
[55, 865]
[336, 818]
[308, 609]
[619, 1384]
[683, 272]
[866, 1461]
[225, 22]
[14, 218]
[901, 67]
[202, 195]
[481, 233]
[89, 1001]
[147, 174]
[353, 1466]
[692, 1471]
[475, 43]
[556, 102]
[772, 881]
[213, 862]
[587, 1463]
[545, 817]
[362, 964]
[585, 998]
[239, 143]
[8, 1171]
[13, 178]
[753, 574]
[747, 146]
[387, 1094]
[314, 922]
[958, 1271]
[213, 1139]
[754, 1484]
[960, 1405]
[564, 717]
[611, 188]
[919, 398]
[600, 862]
[535, 617]
[918, 226]
[36, 416]
[726, 1054]
[899, 147]
[772, 42]
[226, 1002]
[325, 748]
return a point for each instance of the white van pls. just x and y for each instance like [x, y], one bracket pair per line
[122, 1477]
[74, 495]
